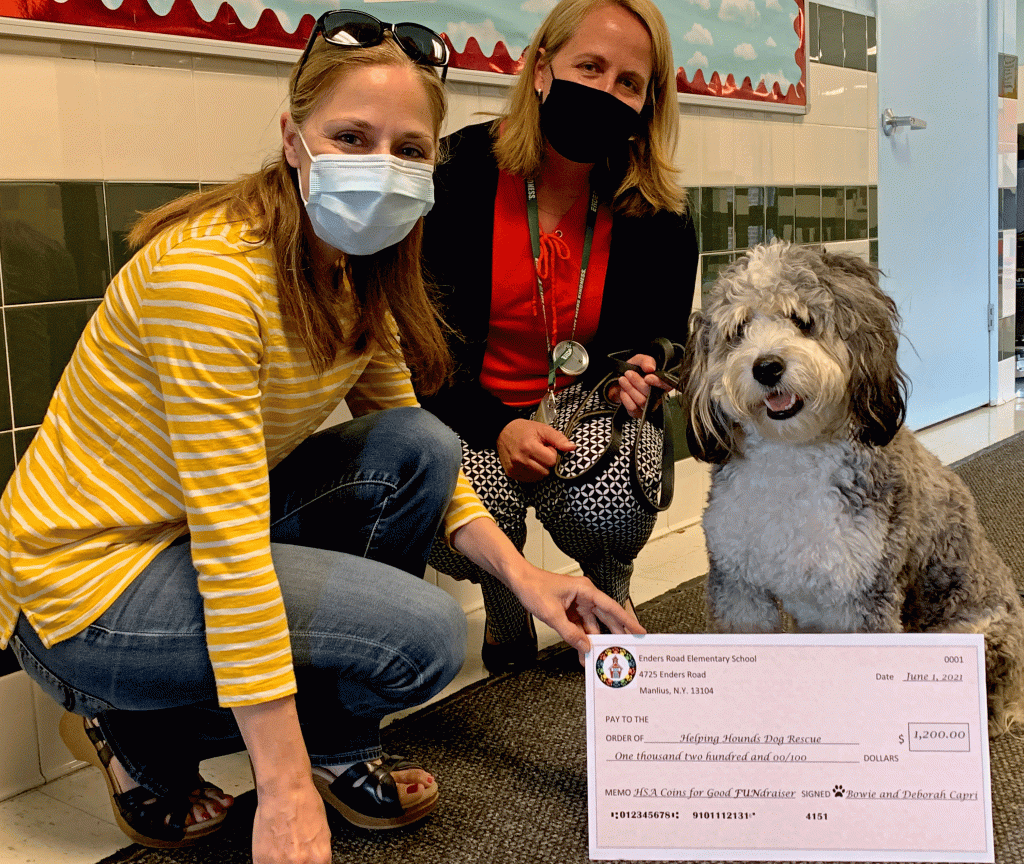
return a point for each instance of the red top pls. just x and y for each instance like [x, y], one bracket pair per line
[515, 367]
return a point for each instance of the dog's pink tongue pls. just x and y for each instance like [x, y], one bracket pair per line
[780, 401]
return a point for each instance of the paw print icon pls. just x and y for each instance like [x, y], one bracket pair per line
[837, 791]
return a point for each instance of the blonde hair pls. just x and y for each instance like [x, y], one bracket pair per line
[389, 281]
[648, 183]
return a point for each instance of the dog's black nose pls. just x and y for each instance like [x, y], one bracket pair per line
[768, 370]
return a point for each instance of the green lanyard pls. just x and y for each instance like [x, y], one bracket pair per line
[588, 238]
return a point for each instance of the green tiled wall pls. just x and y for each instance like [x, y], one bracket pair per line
[732, 218]
[856, 212]
[59, 245]
[780, 212]
[839, 38]
[125, 202]
[808, 215]
[749, 218]
[716, 217]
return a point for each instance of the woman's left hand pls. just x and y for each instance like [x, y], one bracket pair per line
[633, 390]
[570, 605]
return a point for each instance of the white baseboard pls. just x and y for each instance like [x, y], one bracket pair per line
[19, 746]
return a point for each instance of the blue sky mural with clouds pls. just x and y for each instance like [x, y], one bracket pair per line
[712, 40]
[752, 38]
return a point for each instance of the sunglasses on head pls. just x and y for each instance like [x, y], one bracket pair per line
[346, 28]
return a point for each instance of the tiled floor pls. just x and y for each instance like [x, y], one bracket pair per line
[69, 820]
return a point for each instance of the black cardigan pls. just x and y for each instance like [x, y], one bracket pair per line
[648, 288]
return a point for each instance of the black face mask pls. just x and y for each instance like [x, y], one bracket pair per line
[584, 124]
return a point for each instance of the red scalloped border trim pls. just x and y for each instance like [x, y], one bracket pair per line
[183, 20]
[796, 94]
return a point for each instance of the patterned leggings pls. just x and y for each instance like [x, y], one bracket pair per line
[599, 523]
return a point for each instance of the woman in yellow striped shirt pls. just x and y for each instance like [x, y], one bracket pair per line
[185, 565]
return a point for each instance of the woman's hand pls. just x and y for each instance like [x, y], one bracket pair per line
[633, 390]
[528, 450]
[570, 605]
[290, 826]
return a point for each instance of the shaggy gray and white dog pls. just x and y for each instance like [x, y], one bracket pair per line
[822, 503]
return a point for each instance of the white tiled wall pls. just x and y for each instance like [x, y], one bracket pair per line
[116, 114]
[84, 112]
[830, 145]
[19, 748]
[165, 116]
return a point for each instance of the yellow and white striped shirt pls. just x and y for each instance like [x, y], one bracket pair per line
[183, 392]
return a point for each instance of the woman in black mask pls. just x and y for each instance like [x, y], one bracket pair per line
[559, 236]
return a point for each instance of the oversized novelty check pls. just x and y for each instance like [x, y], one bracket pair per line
[788, 748]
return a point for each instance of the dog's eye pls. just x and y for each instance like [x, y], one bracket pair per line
[737, 334]
[804, 325]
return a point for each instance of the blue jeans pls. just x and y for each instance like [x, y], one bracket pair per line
[354, 510]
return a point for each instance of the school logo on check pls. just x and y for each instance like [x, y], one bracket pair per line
[615, 667]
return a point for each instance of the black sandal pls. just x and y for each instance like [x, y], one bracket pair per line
[366, 795]
[149, 820]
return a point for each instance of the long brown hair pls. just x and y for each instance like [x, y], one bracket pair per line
[389, 282]
[649, 183]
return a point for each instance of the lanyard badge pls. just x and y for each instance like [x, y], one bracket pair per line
[568, 356]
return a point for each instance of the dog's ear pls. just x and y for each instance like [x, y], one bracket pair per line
[709, 435]
[868, 322]
[853, 266]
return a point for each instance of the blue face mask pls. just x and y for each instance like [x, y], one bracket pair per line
[362, 204]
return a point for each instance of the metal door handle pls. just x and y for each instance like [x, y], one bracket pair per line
[890, 121]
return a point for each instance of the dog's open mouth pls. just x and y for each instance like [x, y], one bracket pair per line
[782, 406]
